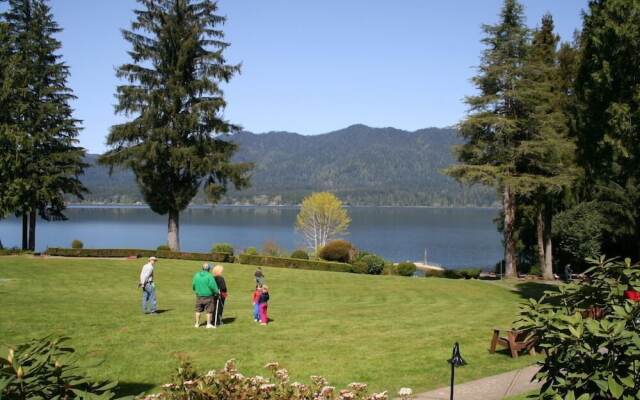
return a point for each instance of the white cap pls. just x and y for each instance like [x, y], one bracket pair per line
[152, 258]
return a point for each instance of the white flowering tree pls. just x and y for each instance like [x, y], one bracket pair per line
[322, 218]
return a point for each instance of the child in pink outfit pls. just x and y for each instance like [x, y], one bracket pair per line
[262, 304]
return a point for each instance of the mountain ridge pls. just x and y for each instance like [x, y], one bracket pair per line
[361, 164]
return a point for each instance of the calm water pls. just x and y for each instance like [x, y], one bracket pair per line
[452, 237]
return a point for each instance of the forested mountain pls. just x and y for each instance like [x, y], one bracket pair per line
[362, 165]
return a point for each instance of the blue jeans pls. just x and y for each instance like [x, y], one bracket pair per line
[256, 312]
[149, 298]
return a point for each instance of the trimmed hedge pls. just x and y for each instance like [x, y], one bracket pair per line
[294, 263]
[14, 251]
[179, 255]
[470, 273]
[465, 273]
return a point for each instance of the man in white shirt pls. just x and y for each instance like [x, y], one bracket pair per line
[148, 287]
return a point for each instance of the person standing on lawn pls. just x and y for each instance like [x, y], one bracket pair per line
[149, 301]
[222, 296]
[256, 302]
[259, 276]
[205, 287]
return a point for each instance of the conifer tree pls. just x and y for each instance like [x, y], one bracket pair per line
[175, 142]
[5, 113]
[497, 119]
[42, 160]
[545, 158]
[608, 117]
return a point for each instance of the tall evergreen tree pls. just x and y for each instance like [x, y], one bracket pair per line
[608, 116]
[497, 119]
[175, 143]
[42, 161]
[545, 158]
[5, 113]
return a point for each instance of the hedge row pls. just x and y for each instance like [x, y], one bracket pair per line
[14, 252]
[466, 273]
[180, 255]
[294, 263]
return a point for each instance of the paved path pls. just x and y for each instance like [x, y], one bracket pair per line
[490, 388]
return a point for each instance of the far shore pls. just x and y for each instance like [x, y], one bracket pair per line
[200, 206]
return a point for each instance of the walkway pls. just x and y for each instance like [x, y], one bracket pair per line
[490, 388]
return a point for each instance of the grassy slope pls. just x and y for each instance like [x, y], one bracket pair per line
[386, 331]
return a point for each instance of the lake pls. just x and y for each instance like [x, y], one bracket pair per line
[452, 237]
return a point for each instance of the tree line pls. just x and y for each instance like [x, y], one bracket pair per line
[173, 141]
[555, 128]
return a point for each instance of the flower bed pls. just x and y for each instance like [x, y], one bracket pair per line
[228, 383]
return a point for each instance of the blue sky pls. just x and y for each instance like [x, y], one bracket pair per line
[312, 66]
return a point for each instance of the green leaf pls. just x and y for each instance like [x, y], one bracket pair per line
[627, 381]
[615, 388]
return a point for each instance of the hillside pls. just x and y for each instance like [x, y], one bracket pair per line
[362, 165]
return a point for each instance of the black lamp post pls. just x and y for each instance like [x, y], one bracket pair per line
[456, 360]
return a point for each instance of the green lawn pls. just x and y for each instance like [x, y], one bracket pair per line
[386, 331]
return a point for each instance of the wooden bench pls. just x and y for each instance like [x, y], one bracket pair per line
[514, 340]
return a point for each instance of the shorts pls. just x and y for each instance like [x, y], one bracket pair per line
[204, 304]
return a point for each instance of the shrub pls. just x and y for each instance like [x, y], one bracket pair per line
[389, 269]
[359, 254]
[43, 369]
[216, 257]
[300, 254]
[271, 248]
[359, 267]
[406, 269]
[578, 234]
[375, 264]
[229, 383]
[294, 263]
[434, 273]
[252, 251]
[163, 247]
[535, 270]
[77, 244]
[337, 250]
[589, 331]
[469, 273]
[222, 248]
[451, 274]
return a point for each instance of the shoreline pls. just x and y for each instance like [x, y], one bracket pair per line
[290, 206]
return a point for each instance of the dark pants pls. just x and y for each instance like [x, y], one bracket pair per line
[219, 308]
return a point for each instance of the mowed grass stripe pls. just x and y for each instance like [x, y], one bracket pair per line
[386, 331]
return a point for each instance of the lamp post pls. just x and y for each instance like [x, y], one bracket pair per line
[456, 360]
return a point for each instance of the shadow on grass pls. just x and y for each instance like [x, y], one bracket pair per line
[228, 320]
[132, 388]
[162, 311]
[534, 290]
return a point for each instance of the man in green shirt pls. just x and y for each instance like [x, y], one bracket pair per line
[204, 286]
